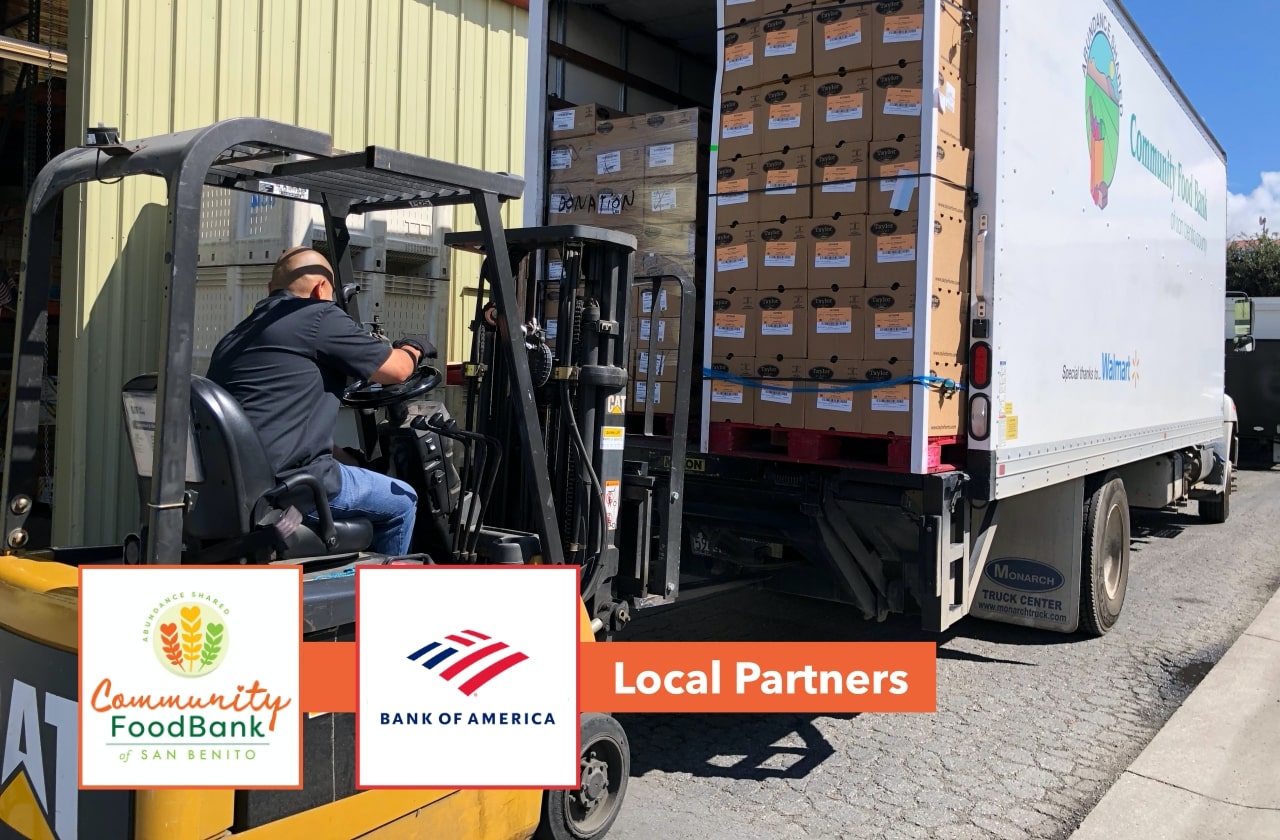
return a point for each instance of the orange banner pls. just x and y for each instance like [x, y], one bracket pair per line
[702, 677]
[715, 677]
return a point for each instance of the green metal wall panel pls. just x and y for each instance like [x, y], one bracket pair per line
[433, 77]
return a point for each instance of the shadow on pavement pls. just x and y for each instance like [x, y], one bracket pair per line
[753, 747]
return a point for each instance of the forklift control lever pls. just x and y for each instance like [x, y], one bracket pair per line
[305, 480]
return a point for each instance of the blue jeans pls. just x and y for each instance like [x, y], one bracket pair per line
[388, 503]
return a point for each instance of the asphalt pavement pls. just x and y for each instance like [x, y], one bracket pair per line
[1032, 728]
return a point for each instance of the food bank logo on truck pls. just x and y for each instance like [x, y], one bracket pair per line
[1103, 108]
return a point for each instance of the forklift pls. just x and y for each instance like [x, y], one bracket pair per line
[536, 471]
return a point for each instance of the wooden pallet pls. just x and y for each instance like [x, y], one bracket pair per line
[828, 448]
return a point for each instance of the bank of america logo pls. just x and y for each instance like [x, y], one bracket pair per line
[468, 660]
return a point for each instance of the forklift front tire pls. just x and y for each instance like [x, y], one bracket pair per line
[588, 812]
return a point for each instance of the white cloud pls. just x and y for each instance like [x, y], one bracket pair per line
[1244, 211]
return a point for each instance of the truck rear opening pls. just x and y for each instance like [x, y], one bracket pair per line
[940, 246]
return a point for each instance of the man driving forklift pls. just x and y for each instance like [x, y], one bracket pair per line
[286, 365]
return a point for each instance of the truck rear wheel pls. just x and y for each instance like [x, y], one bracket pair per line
[588, 812]
[1104, 560]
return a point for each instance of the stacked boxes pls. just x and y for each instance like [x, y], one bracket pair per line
[648, 176]
[817, 195]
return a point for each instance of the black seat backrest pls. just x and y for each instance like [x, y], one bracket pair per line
[227, 466]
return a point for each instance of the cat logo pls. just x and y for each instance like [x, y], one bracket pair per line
[617, 404]
[37, 804]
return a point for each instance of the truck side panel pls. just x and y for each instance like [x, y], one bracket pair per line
[1104, 264]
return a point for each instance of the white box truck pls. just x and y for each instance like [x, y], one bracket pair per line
[1094, 269]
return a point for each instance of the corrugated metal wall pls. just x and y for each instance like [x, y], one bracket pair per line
[443, 78]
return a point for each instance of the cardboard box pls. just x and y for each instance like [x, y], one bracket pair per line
[663, 397]
[572, 204]
[897, 29]
[619, 203]
[833, 408]
[839, 248]
[784, 324]
[668, 333]
[666, 239]
[668, 299]
[786, 110]
[785, 45]
[901, 95]
[787, 179]
[674, 199]
[688, 266]
[784, 254]
[737, 258]
[580, 121]
[892, 158]
[742, 58]
[664, 364]
[841, 37]
[736, 11]
[613, 164]
[666, 127]
[572, 161]
[837, 324]
[732, 402]
[892, 244]
[739, 190]
[888, 410]
[843, 108]
[742, 125]
[889, 324]
[743, 367]
[839, 179]
[778, 404]
[735, 322]
[680, 157]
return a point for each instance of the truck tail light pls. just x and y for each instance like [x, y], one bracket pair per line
[979, 416]
[980, 365]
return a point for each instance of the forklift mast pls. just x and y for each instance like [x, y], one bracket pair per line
[576, 287]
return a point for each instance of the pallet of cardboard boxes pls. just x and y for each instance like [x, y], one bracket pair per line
[817, 211]
[646, 175]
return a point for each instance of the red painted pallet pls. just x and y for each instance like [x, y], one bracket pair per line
[663, 424]
[830, 448]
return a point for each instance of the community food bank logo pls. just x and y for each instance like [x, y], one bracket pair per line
[191, 640]
[1103, 108]
[169, 700]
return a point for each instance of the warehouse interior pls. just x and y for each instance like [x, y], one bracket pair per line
[33, 105]
[635, 55]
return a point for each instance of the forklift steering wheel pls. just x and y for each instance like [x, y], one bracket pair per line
[366, 394]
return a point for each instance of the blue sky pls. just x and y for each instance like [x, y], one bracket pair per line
[1226, 58]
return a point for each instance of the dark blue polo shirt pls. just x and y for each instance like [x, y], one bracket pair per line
[286, 364]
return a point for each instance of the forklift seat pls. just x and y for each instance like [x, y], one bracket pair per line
[236, 506]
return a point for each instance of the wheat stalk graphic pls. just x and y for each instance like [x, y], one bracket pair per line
[212, 645]
[192, 636]
[169, 643]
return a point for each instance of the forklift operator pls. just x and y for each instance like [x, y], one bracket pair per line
[286, 365]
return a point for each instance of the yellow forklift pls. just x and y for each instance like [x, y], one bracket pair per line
[538, 427]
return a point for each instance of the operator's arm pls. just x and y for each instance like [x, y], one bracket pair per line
[402, 362]
[340, 343]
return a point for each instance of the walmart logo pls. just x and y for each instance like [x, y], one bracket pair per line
[1120, 368]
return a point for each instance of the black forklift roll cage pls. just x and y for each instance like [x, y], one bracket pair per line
[256, 156]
